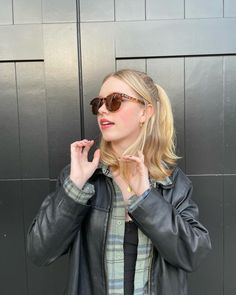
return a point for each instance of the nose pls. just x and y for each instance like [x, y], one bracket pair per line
[103, 108]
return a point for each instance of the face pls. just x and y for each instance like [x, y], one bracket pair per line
[121, 127]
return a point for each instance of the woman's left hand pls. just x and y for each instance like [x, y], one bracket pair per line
[137, 173]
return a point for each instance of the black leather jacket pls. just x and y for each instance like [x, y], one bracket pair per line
[167, 216]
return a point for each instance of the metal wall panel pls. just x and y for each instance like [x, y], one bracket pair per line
[26, 11]
[49, 280]
[229, 8]
[229, 234]
[129, 10]
[169, 73]
[55, 11]
[165, 9]
[204, 115]
[97, 62]
[136, 64]
[9, 132]
[175, 37]
[203, 9]
[6, 13]
[32, 119]
[202, 91]
[93, 10]
[208, 194]
[229, 114]
[37, 98]
[61, 76]
[21, 42]
[12, 255]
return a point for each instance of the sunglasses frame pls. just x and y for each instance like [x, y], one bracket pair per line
[121, 97]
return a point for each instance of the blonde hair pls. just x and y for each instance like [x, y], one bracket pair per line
[156, 138]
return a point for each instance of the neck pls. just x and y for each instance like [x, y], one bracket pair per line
[118, 149]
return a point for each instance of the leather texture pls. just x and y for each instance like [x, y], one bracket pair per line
[168, 216]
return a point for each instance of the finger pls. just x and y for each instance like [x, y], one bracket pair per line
[131, 159]
[96, 157]
[141, 155]
[80, 143]
[78, 146]
[75, 152]
[75, 149]
[87, 147]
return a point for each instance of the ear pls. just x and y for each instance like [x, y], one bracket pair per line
[147, 113]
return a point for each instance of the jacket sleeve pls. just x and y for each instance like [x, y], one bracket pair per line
[172, 225]
[56, 225]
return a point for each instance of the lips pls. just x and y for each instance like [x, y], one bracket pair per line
[104, 123]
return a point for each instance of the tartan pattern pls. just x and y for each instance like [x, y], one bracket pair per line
[115, 239]
[115, 252]
[79, 195]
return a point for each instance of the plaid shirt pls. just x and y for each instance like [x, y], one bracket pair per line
[115, 240]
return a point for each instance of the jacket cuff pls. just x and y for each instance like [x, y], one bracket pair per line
[134, 200]
[80, 196]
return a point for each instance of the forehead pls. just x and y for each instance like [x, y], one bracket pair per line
[113, 84]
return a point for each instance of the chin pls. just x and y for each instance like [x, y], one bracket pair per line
[109, 137]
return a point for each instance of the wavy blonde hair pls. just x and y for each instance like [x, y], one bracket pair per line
[156, 138]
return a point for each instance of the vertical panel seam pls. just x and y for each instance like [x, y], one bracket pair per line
[12, 9]
[145, 9]
[223, 233]
[223, 168]
[24, 232]
[81, 97]
[223, 113]
[223, 8]
[185, 155]
[18, 119]
[21, 175]
[47, 118]
[184, 9]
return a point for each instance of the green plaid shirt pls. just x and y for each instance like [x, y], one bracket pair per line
[115, 240]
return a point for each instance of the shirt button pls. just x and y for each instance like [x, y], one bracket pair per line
[119, 222]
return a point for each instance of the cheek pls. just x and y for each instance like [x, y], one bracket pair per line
[129, 117]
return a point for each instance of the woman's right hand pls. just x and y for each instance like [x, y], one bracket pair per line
[81, 169]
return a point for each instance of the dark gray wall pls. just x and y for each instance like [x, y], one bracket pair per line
[50, 68]
[39, 118]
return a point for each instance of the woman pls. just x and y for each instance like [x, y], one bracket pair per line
[126, 217]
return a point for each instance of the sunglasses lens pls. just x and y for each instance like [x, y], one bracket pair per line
[113, 102]
[96, 104]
